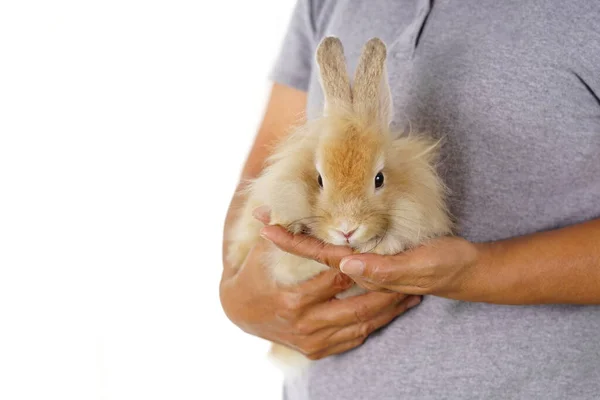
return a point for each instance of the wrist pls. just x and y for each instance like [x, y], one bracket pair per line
[479, 280]
[490, 279]
[474, 281]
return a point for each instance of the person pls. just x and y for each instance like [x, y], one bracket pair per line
[510, 305]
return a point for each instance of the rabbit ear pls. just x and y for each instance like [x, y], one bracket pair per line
[333, 73]
[371, 92]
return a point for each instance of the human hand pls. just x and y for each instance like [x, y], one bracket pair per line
[441, 267]
[305, 317]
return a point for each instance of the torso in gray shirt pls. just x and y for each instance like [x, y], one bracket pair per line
[513, 87]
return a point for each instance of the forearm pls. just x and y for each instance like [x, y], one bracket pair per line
[284, 108]
[560, 267]
[250, 171]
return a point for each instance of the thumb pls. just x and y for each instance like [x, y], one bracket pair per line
[372, 267]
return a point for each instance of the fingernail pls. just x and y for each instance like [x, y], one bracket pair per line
[263, 234]
[352, 267]
[413, 302]
[261, 213]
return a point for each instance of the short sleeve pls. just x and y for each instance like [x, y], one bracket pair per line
[294, 62]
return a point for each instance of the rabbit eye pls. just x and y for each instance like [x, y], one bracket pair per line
[320, 180]
[378, 180]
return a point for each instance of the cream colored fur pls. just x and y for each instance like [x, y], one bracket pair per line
[351, 143]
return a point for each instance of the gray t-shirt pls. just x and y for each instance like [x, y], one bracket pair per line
[514, 87]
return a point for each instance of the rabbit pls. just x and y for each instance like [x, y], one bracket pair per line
[345, 178]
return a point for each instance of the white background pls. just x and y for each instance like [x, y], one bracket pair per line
[123, 128]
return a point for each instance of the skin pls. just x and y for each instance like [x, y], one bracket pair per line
[561, 266]
[305, 317]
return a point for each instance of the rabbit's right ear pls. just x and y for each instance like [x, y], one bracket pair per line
[333, 74]
[371, 92]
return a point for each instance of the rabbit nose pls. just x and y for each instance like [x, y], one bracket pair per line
[346, 228]
[347, 234]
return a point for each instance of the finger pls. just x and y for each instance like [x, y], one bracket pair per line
[306, 246]
[376, 268]
[338, 349]
[263, 214]
[353, 336]
[349, 311]
[365, 328]
[322, 287]
[372, 287]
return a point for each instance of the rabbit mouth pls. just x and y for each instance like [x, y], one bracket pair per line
[374, 244]
[363, 246]
[369, 245]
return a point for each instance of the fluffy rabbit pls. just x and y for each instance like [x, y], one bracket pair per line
[345, 178]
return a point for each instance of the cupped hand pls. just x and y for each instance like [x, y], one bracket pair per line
[306, 317]
[441, 267]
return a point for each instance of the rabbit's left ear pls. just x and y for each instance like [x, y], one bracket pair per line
[372, 98]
